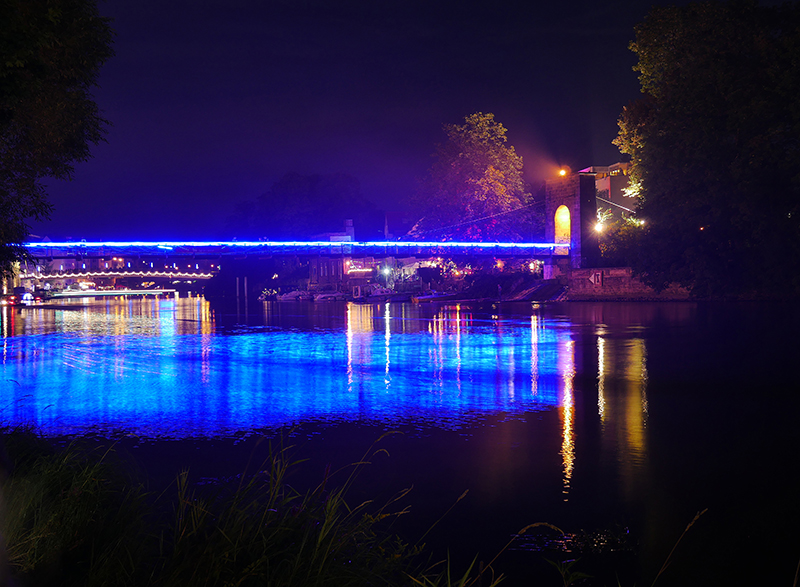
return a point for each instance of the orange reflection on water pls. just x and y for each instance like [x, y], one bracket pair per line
[601, 380]
[636, 399]
[622, 404]
[566, 367]
[359, 331]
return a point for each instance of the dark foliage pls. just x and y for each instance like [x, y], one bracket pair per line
[475, 190]
[52, 51]
[715, 148]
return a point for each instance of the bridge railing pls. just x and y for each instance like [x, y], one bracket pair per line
[88, 249]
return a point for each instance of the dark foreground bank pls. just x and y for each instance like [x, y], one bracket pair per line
[86, 513]
[78, 514]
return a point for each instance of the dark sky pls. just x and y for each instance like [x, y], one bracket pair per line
[212, 101]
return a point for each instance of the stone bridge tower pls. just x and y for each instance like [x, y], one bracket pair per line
[570, 217]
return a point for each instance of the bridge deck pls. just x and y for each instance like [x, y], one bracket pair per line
[82, 249]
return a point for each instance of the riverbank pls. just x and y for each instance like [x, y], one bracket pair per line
[77, 515]
[88, 511]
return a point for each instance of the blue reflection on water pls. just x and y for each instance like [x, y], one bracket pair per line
[164, 368]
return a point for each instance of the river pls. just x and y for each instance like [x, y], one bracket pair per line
[616, 422]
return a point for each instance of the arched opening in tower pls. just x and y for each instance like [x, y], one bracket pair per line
[563, 230]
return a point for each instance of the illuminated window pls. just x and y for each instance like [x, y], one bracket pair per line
[563, 231]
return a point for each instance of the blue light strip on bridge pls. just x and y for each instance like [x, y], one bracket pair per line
[297, 244]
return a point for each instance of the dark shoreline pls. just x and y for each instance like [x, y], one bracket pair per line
[218, 466]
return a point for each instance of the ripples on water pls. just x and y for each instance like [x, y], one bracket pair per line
[166, 368]
[595, 417]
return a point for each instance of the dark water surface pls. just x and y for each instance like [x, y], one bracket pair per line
[616, 422]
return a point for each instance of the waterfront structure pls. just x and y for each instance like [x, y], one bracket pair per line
[570, 219]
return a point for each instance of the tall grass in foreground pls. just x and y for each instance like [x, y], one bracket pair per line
[265, 532]
[70, 518]
[67, 517]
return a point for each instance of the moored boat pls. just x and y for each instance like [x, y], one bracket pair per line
[330, 296]
[297, 295]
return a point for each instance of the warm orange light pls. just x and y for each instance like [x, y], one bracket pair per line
[562, 172]
[562, 225]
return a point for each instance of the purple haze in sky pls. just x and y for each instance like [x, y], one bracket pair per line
[211, 102]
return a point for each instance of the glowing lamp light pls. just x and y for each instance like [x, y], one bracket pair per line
[598, 227]
[562, 172]
[386, 271]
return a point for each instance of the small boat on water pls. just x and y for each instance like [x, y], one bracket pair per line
[331, 296]
[297, 295]
[374, 294]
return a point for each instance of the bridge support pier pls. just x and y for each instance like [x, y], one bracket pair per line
[570, 218]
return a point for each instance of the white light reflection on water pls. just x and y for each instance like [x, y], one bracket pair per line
[601, 380]
[535, 325]
[160, 368]
[567, 403]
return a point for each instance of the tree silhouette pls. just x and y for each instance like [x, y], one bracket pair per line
[474, 190]
[52, 53]
[715, 148]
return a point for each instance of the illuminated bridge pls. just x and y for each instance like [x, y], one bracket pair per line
[570, 220]
[218, 249]
[139, 263]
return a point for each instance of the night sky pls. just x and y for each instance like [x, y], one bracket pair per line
[212, 101]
